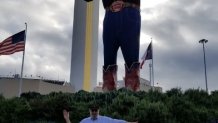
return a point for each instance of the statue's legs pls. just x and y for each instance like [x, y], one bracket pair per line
[122, 29]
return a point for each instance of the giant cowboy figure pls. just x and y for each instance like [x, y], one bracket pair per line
[121, 28]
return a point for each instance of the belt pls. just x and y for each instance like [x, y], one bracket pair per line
[119, 5]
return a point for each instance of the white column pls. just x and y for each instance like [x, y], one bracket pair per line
[84, 54]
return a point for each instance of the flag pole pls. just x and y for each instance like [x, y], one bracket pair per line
[152, 61]
[150, 69]
[21, 74]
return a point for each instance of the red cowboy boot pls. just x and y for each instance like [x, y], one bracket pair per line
[132, 77]
[109, 78]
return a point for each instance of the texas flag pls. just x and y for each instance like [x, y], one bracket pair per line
[147, 55]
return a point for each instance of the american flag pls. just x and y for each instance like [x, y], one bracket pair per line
[12, 44]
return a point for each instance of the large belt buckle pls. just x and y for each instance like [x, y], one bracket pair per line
[117, 6]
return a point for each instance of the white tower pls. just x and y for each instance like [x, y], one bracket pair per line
[84, 54]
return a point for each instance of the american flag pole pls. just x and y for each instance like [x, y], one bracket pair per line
[21, 74]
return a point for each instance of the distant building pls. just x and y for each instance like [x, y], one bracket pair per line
[144, 86]
[9, 87]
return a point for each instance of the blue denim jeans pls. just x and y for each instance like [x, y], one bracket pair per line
[121, 29]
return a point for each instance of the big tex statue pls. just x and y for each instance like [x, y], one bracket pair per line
[121, 28]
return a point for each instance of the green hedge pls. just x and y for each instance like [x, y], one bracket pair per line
[173, 106]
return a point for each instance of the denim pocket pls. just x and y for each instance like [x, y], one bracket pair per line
[133, 14]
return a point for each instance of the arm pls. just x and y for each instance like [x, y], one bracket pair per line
[117, 120]
[122, 121]
[88, 0]
[66, 116]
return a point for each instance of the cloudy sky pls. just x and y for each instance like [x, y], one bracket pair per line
[176, 26]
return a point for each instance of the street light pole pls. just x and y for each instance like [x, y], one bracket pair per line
[203, 41]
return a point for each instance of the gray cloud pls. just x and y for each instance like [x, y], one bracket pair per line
[48, 38]
[176, 27]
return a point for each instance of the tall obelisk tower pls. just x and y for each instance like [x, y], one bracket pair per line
[84, 54]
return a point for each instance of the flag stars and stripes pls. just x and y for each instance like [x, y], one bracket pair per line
[13, 44]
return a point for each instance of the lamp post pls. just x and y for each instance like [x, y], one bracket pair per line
[203, 41]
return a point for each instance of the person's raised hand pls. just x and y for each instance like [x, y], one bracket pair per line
[66, 116]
